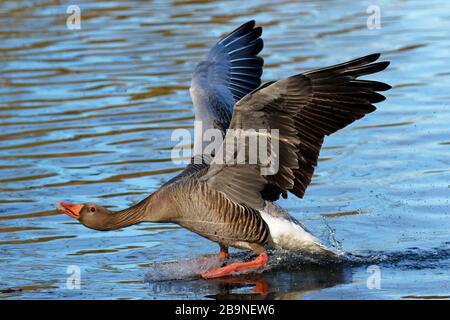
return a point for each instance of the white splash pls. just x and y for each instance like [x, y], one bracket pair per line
[289, 234]
[183, 269]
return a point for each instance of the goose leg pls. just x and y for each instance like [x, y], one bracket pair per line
[260, 261]
[224, 252]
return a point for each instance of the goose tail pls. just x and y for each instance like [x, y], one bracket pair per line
[289, 234]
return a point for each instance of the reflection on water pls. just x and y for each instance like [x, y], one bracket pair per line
[274, 285]
[86, 115]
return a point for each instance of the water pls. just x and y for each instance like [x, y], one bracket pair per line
[86, 115]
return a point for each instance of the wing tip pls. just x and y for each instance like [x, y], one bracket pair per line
[374, 57]
[384, 64]
[243, 28]
[251, 22]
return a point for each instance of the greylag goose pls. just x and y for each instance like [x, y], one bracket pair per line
[233, 203]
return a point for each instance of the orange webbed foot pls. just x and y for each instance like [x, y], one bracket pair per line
[260, 261]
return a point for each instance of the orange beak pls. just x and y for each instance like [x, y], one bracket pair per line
[72, 210]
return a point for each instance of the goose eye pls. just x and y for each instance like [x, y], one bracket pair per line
[92, 209]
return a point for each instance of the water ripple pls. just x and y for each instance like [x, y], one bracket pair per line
[87, 115]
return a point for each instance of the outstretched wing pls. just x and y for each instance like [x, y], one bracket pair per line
[231, 70]
[304, 108]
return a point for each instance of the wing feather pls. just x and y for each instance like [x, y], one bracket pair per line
[304, 109]
[231, 70]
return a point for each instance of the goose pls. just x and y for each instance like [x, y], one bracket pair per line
[233, 204]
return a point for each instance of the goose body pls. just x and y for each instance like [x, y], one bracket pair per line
[233, 203]
[210, 214]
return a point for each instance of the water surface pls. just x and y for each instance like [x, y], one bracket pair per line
[86, 115]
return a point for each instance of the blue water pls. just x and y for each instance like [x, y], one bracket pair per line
[86, 116]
